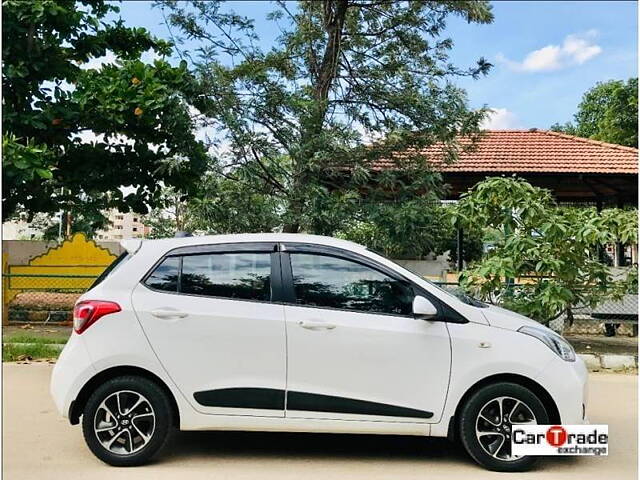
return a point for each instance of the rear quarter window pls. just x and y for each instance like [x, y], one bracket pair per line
[165, 275]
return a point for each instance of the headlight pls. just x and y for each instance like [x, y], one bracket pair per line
[555, 342]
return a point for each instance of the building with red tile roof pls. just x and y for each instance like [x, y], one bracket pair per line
[575, 169]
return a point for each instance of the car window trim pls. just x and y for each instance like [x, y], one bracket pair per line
[240, 247]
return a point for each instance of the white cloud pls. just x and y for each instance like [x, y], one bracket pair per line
[575, 50]
[98, 62]
[150, 56]
[88, 136]
[501, 119]
[147, 57]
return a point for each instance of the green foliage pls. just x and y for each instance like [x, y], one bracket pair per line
[222, 206]
[52, 96]
[226, 206]
[412, 230]
[556, 247]
[346, 85]
[608, 112]
[87, 222]
[25, 161]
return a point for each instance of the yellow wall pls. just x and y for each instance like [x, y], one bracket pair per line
[75, 256]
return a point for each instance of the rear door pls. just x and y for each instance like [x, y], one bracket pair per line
[211, 316]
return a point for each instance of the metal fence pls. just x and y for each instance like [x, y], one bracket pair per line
[612, 317]
[49, 298]
[34, 298]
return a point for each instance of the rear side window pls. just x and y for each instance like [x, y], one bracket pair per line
[165, 275]
[244, 276]
[229, 275]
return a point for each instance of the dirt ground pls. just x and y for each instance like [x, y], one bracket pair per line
[38, 444]
[618, 345]
[36, 330]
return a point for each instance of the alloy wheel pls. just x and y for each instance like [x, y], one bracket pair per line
[124, 422]
[495, 422]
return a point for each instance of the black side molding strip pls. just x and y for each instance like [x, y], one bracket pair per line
[313, 402]
[261, 398]
[273, 399]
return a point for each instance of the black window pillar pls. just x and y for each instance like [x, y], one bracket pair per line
[619, 245]
[459, 239]
[601, 251]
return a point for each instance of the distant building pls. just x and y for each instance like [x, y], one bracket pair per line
[20, 230]
[578, 171]
[123, 226]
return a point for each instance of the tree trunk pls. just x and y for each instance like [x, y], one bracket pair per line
[335, 12]
[291, 228]
[69, 222]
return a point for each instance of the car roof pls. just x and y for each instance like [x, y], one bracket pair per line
[132, 245]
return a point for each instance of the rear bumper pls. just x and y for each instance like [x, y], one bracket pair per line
[567, 383]
[72, 370]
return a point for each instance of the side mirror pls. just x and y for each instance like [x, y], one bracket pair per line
[423, 308]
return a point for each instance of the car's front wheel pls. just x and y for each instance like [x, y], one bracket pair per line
[126, 421]
[488, 418]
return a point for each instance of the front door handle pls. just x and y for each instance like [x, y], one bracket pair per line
[316, 325]
[168, 313]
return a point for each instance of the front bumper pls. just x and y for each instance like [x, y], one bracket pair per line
[567, 383]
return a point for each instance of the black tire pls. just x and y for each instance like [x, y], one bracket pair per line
[157, 432]
[470, 414]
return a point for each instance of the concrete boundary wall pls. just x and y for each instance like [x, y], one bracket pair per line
[20, 252]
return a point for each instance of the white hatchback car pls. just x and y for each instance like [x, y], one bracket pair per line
[301, 333]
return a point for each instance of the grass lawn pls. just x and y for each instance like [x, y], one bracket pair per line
[31, 351]
[26, 338]
[29, 342]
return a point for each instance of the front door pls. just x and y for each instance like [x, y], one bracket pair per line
[355, 351]
[209, 317]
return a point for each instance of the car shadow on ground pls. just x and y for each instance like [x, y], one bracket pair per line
[324, 446]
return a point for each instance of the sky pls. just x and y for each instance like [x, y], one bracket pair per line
[546, 54]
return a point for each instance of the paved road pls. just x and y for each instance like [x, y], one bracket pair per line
[40, 445]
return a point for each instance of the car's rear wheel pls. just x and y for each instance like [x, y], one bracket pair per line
[488, 418]
[126, 421]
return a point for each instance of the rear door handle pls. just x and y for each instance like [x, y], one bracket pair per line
[316, 325]
[168, 313]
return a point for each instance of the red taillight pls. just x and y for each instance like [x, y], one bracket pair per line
[87, 312]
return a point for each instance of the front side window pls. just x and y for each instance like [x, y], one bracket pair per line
[229, 275]
[325, 281]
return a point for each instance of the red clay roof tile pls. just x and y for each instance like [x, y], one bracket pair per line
[506, 151]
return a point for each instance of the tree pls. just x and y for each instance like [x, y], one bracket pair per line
[52, 97]
[555, 248]
[222, 206]
[348, 84]
[608, 112]
[412, 232]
